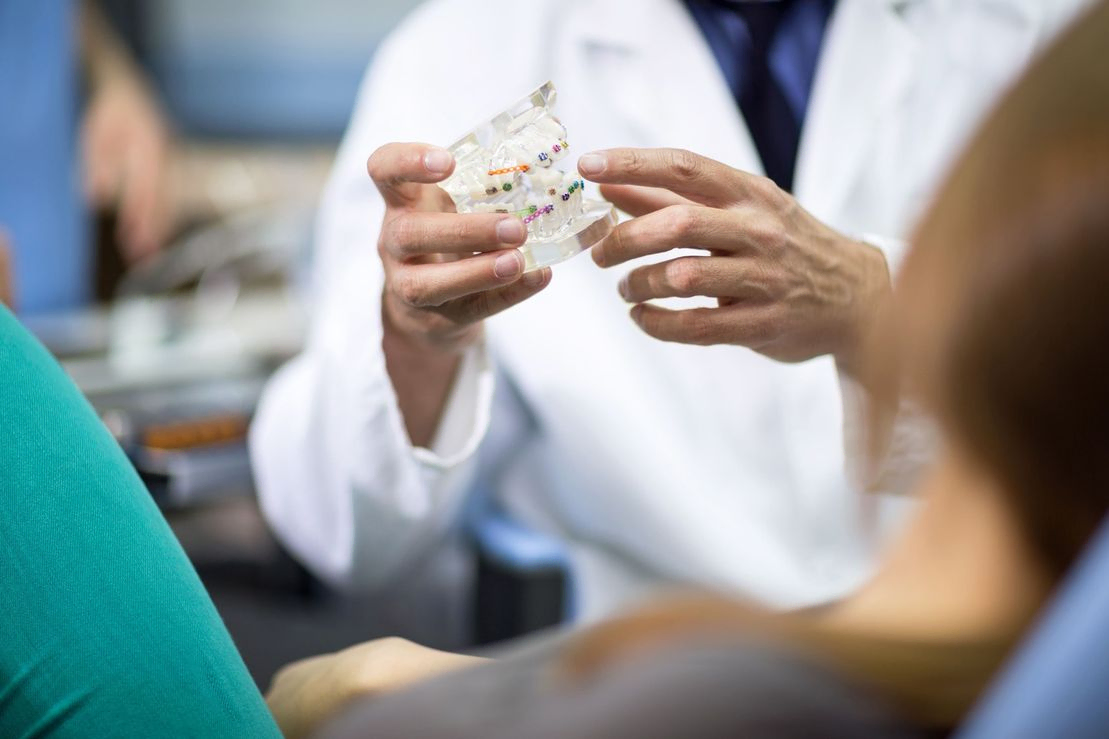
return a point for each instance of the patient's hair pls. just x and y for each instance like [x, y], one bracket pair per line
[1003, 308]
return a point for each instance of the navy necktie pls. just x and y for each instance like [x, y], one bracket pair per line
[768, 52]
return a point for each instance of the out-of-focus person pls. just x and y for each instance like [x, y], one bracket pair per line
[81, 129]
[5, 270]
[657, 463]
[997, 331]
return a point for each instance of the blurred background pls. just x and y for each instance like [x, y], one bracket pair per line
[174, 339]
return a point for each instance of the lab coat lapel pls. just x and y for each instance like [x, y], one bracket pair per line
[662, 79]
[865, 68]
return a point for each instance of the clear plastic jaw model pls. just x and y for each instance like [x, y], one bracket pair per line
[508, 166]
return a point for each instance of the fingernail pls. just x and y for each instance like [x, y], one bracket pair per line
[508, 265]
[437, 161]
[637, 312]
[592, 164]
[511, 231]
[535, 278]
[623, 288]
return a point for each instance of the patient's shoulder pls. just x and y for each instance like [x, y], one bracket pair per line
[54, 450]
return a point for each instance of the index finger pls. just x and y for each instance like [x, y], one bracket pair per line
[399, 169]
[690, 175]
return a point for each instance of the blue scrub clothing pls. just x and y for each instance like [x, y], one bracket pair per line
[41, 206]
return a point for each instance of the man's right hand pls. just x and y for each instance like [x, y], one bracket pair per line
[445, 273]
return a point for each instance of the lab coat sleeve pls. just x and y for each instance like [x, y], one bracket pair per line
[913, 439]
[338, 479]
[910, 447]
[911, 444]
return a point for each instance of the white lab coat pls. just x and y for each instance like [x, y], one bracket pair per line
[658, 463]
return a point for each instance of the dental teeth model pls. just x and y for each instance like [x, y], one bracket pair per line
[507, 165]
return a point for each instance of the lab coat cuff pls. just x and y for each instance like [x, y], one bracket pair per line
[911, 446]
[466, 415]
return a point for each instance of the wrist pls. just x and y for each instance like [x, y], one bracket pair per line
[412, 336]
[871, 296]
[422, 373]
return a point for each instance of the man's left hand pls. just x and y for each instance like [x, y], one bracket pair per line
[787, 285]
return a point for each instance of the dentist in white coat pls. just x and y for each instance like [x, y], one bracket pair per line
[658, 462]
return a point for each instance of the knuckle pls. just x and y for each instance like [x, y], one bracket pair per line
[409, 288]
[769, 329]
[767, 233]
[683, 221]
[685, 164]
[684, 276]
[400, 233]
[765, 189]
[634, 161]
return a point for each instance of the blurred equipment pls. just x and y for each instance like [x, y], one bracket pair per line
[175, 366]
[522, 577]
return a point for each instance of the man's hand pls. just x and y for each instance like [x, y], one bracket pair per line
[445, 273]
[307, 693]
[787, 285]
[125, 141]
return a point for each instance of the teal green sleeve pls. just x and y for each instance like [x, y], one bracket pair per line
[105, 630]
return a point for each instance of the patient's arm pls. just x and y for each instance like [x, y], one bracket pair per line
[307, 693]
[678, 619]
